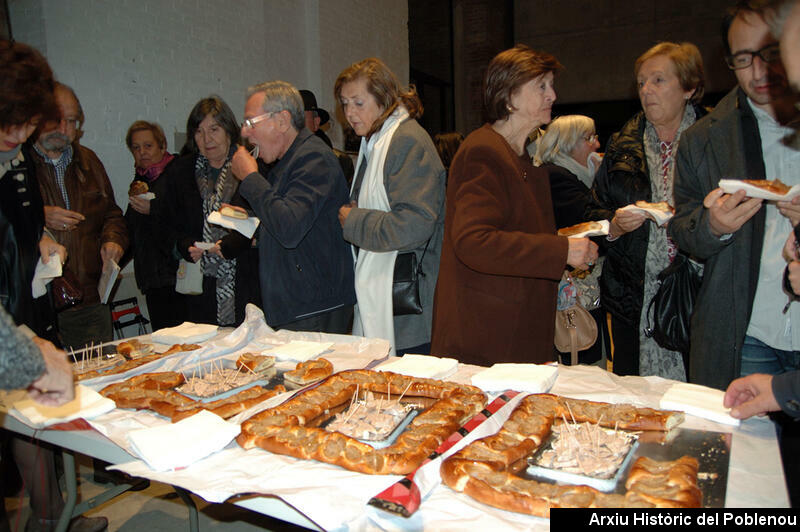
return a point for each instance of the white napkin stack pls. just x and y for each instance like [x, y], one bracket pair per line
[246, 227]
[531, 378]
[185, 333]
[298, 350]
[45, 273]
[177, 445]
[422, 366]
[87, 404]
[698, 401]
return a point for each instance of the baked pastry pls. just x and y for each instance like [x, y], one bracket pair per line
[260, 364]
[155, 391]
[580, 228]
[662, 206]
[308, 372]
[293, 428]
[776, 186]
[138, 187]
[133, 348]
[485, 469]
[230, 212]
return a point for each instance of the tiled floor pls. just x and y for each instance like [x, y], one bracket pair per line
[156, 509]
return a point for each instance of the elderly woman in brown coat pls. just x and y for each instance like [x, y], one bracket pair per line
[501, 257]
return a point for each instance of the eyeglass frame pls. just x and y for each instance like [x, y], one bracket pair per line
[591, 138]
[251, 122]
[773, 46]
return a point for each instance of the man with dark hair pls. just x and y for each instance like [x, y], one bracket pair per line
[741, 238]
[81, 213]
[306, 267]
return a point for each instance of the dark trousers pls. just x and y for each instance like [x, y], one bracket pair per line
[166, 307]
[81, 327]
[339, 321]
[625, 340]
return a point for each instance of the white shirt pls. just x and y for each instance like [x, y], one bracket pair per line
[768, 323]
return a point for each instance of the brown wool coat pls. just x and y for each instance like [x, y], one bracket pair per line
[90, 194]
[501, 258]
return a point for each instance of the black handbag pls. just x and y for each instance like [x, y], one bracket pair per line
[671, 306]
[405, 284]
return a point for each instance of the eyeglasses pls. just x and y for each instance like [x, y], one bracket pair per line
[591, 138]
[71, 122]
[769, 54]
[250, 123]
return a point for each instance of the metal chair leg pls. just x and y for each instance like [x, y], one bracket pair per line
[194, 525]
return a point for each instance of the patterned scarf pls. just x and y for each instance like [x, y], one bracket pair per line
[223, 270]
[152, 173]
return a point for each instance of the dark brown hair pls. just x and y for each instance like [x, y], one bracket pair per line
[746, 8]
[507, 72]
[447, 145]
[219, 110]
[688, 65]
[26, 85]
[143, 125]
[383, 85]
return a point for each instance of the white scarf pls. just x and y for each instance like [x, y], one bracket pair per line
[374, 315]
[583, 173]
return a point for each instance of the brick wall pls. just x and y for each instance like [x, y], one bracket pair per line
[153, 59]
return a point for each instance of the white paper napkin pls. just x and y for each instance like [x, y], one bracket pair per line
[87, 404]
[422, 366]
[532, 378]
[660, 217]
[146, 196]
[246, 227]
[45, 273]
[298, 350]
[185, 333]
[699, 401]
[177, 445]
[731, 186]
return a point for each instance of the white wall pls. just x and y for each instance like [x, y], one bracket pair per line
[153, 59]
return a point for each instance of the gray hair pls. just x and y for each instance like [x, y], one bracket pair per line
[776, 14]
[562, 135]
[281, 96]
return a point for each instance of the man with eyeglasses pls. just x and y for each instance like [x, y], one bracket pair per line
[305, 265]
[738, 326]
[81, 213]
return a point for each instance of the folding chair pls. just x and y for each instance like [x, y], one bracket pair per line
[129, 310]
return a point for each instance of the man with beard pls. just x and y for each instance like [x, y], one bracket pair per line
[81, 213]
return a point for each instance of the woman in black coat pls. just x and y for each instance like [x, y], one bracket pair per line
[567, 151]
[196, 184]
[153, 261]
[639, 165]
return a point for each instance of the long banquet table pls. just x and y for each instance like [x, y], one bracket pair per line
[323, 496]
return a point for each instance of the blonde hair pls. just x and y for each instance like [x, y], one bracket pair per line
[561, 136]
[688, 65]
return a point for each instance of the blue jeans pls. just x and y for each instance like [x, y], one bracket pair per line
[758, 357]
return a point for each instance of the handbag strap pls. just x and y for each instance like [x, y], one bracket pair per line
[425, 250]
[648, 330]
